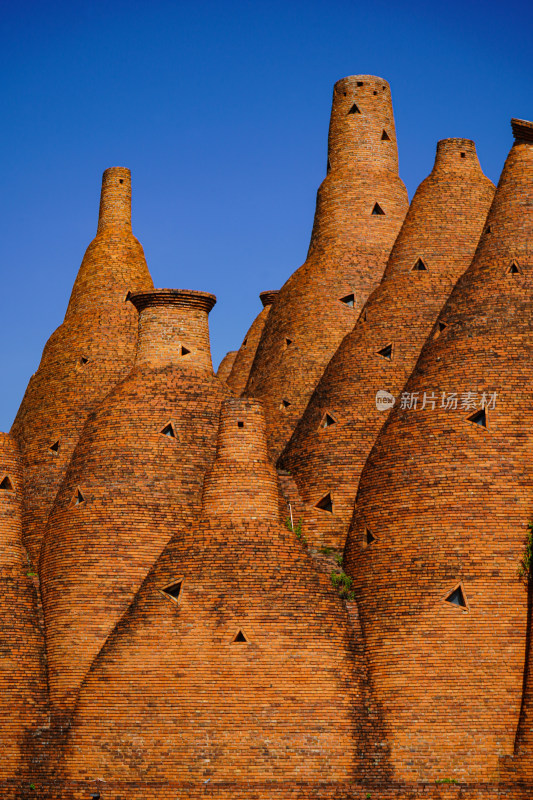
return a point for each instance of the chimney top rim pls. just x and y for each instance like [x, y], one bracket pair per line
[267, 297]
[190, 298]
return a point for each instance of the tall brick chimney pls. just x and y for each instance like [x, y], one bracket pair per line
[446, 498]
[236, 642]
[360, 207]
[84, 358]
[135, 479]
[435, 246]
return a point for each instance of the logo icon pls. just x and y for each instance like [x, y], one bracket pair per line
[384, 400]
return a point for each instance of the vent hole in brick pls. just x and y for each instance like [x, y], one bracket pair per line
[245, 342]
[173, 591]
[325, 504]
[168, 430]
[82, 361]
[386, 352]
[457, 598]
[78, 498]
[363, 316]
[438, 330]
[349, 300]
[121, 180]
[369, 537]
[328, 166]
[288, 342]
[284, 404]
[513, 269]
[128, 295]
[377, 211]
[354, 110]
[463, 155]
[327, 421]
[360, 83]
[479, 418]
[240, 638]
[240, 424]
[54, 448]
[419, 266]
[6, 485]
[385, 137]
[375, 91]
[184, 351]
[488, 229]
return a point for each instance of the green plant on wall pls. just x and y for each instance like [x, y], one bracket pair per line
[297, 529]
[343, 584]
[524, 567]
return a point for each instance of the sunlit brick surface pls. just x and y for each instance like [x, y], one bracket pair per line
[245, 356]
[440, 233]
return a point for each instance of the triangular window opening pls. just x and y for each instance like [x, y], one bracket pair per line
[438, 330]
[240, 638]
[327, 420]
[328, 167]
[385, 137]
[386, 352]
[288, 342]
[354, 110]
[78, 498]
[377, 211]
[83, 361]
[419, 266]
[284, 404]
[168, 430]
[488, 229]
[54, 448]
[457, 598]
[6, 485]
[326, 504]
[479, 418]
[173, 591]
[184, 351]
[514, 269]
[245, 342]
[369, 537]
[128, 295]
[349, 300]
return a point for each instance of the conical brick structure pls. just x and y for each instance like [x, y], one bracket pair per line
[245, 357]
[441, 516]
[135, 478]
[23, 707]
[435, 246]
[361, 205]
[234, 660]
[87, 355]
[226, 365]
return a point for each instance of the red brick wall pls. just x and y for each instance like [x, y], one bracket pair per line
[225, 366]
[448, 503]
[442, 227]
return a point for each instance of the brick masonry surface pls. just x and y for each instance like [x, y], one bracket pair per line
[86, 356]
[350, 243]
[245, 356]
[436, 244]
[176, 635]
[446, 496]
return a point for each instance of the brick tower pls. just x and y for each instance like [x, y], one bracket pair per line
[245, 355]
[135, 478]
[86, 356]
[442, 511]
[360, 207]
[226, 365]
[435, 246]
[234, 660]
[23, 708]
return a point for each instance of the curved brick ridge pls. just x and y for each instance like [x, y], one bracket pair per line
[279, 707]
[22, 674]
[447, 502]
[327, 453]
[349, 249]
[87, 355]
[135, 477]
[226, 365]
[246, 353]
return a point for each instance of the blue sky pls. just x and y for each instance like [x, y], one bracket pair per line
[221, 111]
